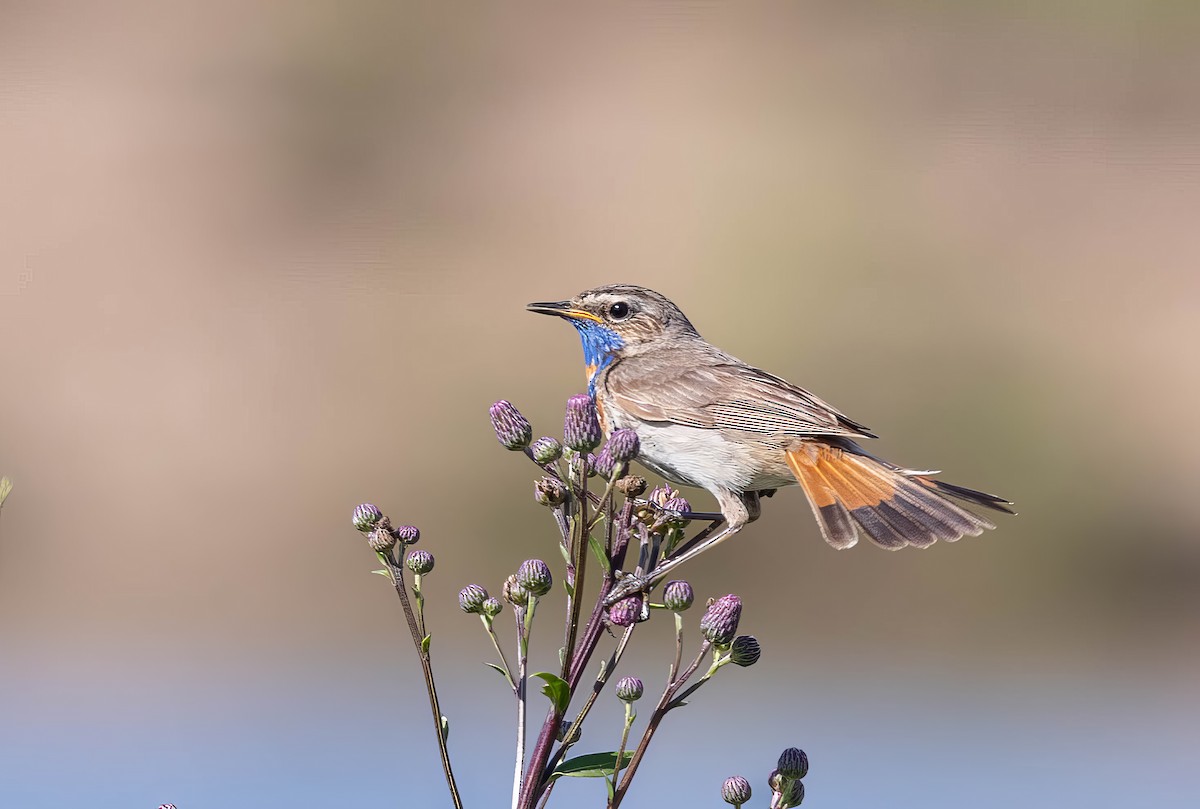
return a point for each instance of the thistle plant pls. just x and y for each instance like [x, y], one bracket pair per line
[603, 529]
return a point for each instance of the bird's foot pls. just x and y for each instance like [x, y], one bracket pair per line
[629, 584]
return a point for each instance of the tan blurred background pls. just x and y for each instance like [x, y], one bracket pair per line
[261, 262]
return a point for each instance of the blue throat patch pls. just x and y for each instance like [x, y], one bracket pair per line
[600, 345]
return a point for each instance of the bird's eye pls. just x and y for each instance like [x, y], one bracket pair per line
[619, 310]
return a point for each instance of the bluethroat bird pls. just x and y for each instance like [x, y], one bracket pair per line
[706, 419]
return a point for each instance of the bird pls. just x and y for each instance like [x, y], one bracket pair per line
[708, 420]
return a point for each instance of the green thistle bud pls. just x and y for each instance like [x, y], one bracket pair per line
[736, 790]
[629, 689]
[631, 486]
[549, 492]
[381, 538]
[581, 428]
[534, 577]
[720, 622]
[793, 763]
[492, 607]
[471, 598]
[744, 651]
[513, 431]
[546, 450]
[408, 534]
[514, 593]
[623, 445]
[366, 516]
[626, 612]
[678, 595]
[420, 562]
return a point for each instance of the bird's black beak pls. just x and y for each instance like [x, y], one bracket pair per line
[562, 309]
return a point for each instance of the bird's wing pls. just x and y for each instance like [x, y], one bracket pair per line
[723, 395]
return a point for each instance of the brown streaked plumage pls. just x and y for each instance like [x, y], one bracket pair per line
[709, 420]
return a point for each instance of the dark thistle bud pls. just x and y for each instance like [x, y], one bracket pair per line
[720, 622]
[471, 598]
[626, 612]
[629, 689]
[512, 429]
[745, 651]
[793, 762]
[678, 595]
[631, 486]
[623, 445]
[420, 562]
[581, 430]
[381, 539]
[492, 607]
[366, 516]
[546, 450]
[736, 790]
[549, 492]
[534, 577]
[408, 534]
[514, 593]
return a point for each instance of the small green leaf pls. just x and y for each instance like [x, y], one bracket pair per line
[500, 669]
[5, 488]
[425, 644]
[445, 728]
[566, 555]
[598, 552]
[593, 765]
[556, 689]
[381, 573]
[568, 588]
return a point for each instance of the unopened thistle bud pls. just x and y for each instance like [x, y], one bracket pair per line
[794, 796]
[514, 593]
[512, 429]
[408, 534]
[420, 562]
[534, 577]
[492, 607]
[626, 612]
[793, 763]
[381, 539]
[549, 492]
[471, 598]
[631, 486]
[744, 651]
[720, 622]
[678, 595]
[623, 445]
[629, 689]
[366, 516]
[736, 790]
[581, 429]
[546, 450]
[606, 465]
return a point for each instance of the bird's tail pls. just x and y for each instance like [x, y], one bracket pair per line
[849, 489]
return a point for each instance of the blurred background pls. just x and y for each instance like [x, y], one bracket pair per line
[261, 262]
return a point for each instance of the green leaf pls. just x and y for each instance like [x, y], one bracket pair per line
[500, 669]
[598, 552]
[5, 488]
[566, 555]
[593, 765]
[381, 572]
[556, 689]
[445, 728]
[425, 644]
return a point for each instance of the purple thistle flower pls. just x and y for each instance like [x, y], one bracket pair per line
[793, 763]
[623, 445]
[720, 622]
[420, 562]
[581, 429]
[492, 607]
[736, 790]
[629, 689]
[366, 516]
[534, 577]
[546, 450]
[512, 429]
[408, 534]
[678, 595]
[626, 612]
[607, 466]
[471, 598]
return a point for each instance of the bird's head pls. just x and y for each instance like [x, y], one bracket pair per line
[618, 320]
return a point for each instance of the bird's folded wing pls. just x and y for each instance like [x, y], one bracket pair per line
[729, 396]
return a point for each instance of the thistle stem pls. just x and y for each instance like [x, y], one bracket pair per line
[487, 625]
